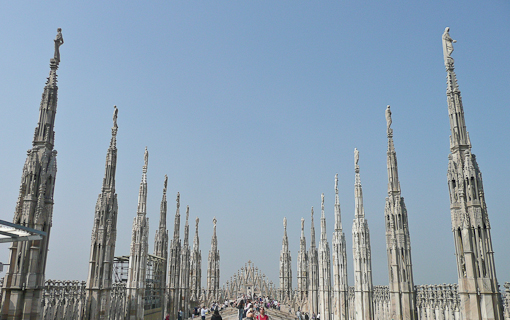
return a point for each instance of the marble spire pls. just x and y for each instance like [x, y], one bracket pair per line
[340, 302]
[161, 243]
[285, 267]
[478, 285]
[213, 268]
[196, 267]
[104, 234]
[363, 288]
[174, 262]
[138, 254]
[185, 268]
[313, 271]
[24, 281]
[324, 270]
[398, 241]
[302, 267]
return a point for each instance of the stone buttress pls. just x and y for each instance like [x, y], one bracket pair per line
[213, 268]
[398, 242]
[161, 246]
[324, 270]
[174, 268]
[138, 254]
[302, 268]
[24, 281]
[313, 272]
[104, 234]
[196, 268]
[478, 285]
[363, 288]
[340, 298]
[285, 268]
[185, 269]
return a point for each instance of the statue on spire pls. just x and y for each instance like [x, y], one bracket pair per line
[447, 46]
[196, 223]
[285, 222]
[356, 158]
[322, 202]
[59, 40]
[388, 120]
[146, 157]
[178, 200]
[336, 183]
[166, 184]
[115, 114]
[214, 221]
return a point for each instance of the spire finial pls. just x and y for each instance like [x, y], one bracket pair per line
[166, 184]
[388, 121]
[59, 40]
[336, 183]
[214, 222]
[302, 225]
[285, 223]
[187, 214]
[196, 223]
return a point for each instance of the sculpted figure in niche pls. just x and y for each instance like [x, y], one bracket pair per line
[59, 40]
[470, 191]
[447, 45]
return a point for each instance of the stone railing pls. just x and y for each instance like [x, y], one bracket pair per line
[439, 301]
[67, 300]
[506, 301]
[63, 300]
[117, 301]
[382, 302]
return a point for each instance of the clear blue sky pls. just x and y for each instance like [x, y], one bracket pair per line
[251, 107]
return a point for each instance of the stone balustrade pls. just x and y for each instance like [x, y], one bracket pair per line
[63, 299]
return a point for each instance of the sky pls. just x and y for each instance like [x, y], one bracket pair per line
[251, 108]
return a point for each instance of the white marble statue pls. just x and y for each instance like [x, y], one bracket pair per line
[447, 45]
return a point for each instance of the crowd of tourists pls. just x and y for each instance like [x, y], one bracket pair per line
[254, 308]
[304, 315]
[248, 308]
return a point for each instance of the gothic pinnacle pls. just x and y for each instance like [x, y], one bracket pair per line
[163, 208]
[302, 227]
[393, 182]
[312, 231]
[186, 228]
[44, 134]
[177, 221]
[358, 192]
[323, 220]
[459, 138]
[338, 217]
[142, 195]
